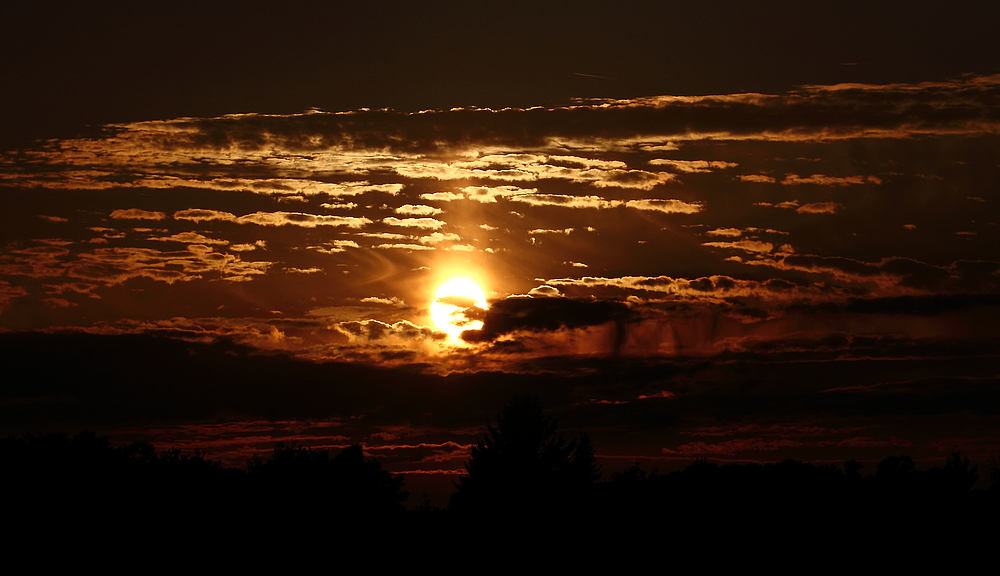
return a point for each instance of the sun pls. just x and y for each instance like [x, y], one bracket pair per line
[451, 300]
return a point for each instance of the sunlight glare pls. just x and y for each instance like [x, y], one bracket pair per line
[450, 301]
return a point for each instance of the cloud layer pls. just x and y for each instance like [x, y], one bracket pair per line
[708, 254]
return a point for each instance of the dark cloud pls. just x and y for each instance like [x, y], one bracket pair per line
[833, 264]
[926, 305]
[547, 313]
[631, 406]
[916, 274]
[977, 276]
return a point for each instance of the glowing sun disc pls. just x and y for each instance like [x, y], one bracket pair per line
[450, 302]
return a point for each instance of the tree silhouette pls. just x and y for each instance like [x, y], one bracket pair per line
[960, 477]
[993, 473]
[955, 478]
[344, 484]
[522, 464]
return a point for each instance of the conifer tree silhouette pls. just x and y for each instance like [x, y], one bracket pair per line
[522, 463]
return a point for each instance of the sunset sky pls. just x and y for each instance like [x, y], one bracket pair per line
[716, 231]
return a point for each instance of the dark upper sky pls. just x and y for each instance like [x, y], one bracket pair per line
[741, 230]
[102, 62]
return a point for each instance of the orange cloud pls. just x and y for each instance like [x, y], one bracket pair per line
[487, 194]
[370, 330]
[438, 237]
[417, 247]
[116, 265]
[545, 231]
[822, 180]
[418, 210]
[190, 238]
[426, 223]
[332, 247]
[201, 215]
[745, 245]
[812, 208]
[693, 166]
[137, 214]
[733, 232]
[757, 178]
[665, 206]
[300, 219]
[273, 218]
[819, 208]
[9, 292]
[34, 262]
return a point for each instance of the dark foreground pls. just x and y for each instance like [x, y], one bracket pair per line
[82, 491]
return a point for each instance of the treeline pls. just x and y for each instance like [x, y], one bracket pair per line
[522, 478]
[84, 488]
[523, 474]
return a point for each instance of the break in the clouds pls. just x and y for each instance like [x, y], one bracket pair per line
[853, 227]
